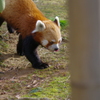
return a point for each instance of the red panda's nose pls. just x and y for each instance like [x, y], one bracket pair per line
[56, 49]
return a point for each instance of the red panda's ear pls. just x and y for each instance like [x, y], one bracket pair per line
[57, 21]
[40, 26]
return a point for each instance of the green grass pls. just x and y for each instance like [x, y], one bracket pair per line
[64, 24]
[3, 46]
[55, 89]
[52, 8]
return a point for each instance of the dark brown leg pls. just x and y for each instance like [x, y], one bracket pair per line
[1, 20]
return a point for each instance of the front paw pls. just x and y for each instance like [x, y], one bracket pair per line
[42, 66]
[20, 53]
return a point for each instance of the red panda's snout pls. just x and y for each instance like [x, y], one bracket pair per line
[54, 47]
[51, 45]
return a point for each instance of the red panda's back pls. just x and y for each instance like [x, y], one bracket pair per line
[22, 14]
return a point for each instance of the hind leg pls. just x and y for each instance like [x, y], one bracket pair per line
[1, 20]
[10, 29]
[20, 46]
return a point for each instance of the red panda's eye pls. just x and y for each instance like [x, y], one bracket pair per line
[51, 42]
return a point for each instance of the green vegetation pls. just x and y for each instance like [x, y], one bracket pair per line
[3, 46]
[55, 89]
[64, 24]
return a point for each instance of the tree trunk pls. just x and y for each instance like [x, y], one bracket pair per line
[85, 48]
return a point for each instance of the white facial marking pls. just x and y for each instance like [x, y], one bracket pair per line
[53, 40]
[44, 42]
[53, 47]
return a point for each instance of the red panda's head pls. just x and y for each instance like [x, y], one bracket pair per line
[48, 34]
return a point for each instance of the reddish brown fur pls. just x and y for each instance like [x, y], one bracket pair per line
[22, 15]
[51, 32]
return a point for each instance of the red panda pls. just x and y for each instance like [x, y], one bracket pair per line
[35, 29]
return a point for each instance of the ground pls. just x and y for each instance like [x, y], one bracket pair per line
[18, 78]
